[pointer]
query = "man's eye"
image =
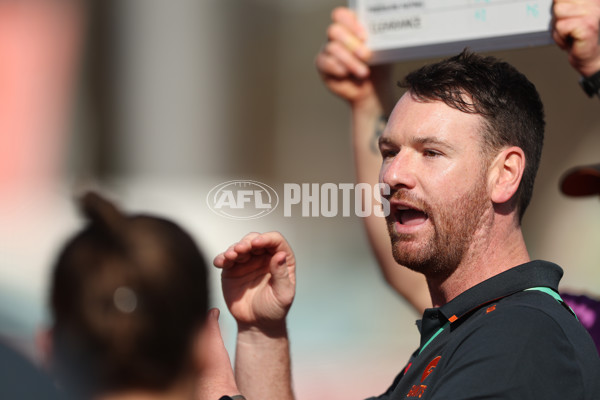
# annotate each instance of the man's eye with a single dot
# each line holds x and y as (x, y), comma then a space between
(431, 153)
(388, 153)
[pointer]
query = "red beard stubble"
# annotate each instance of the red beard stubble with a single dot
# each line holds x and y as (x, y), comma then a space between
(454, 224)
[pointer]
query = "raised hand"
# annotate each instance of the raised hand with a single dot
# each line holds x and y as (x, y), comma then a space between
(259, 280)
(575, 30)
(342, 62)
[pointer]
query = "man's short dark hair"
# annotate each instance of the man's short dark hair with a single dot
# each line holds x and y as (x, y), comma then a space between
(504, 97)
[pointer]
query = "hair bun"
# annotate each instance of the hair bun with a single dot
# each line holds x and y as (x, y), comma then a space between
(102, 212)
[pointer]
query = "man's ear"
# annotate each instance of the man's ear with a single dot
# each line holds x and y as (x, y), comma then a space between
(43, 344)
(506, 173)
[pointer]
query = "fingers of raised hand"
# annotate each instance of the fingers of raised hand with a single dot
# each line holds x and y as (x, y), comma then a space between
(251, 245)
(570, 31)
(570, 14)
(272, 242)
(337, 60)
(237, 252)
(570, 8)
(347, 39)
(347, 18)
(560, 39)
(575, 8)
(330, 66)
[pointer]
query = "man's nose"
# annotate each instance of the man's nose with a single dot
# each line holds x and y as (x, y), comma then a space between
(399, 172)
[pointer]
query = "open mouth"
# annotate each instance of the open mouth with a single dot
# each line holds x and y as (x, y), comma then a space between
(410, 216)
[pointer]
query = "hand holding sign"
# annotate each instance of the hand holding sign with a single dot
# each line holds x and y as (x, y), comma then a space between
(404, 29)
(575, 29)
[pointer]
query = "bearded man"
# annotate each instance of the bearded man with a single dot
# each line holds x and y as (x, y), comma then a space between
(459, 153)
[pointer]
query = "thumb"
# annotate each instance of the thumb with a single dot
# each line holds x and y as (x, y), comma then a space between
(215, 374)
(212, 349)
(281, 280)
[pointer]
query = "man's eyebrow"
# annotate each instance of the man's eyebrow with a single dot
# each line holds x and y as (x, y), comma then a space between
(422, 140)
(430, 140)
(385, 141)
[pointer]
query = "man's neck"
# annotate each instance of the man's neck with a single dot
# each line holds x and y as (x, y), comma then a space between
(485, 259)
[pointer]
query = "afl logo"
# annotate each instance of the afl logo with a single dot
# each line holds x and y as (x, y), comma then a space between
(242, 199)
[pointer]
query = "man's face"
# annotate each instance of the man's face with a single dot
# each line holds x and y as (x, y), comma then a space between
(433, 163)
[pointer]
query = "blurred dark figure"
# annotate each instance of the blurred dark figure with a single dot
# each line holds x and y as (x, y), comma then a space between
(577, 182)
(21, 379)
(581, 181)
(129, 299)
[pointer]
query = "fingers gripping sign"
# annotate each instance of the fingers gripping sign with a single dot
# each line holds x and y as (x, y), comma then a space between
(343, 65)
(259, 280)
(342, 62)
(575, 29)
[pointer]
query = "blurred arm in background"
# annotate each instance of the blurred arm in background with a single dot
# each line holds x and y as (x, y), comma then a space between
(369, 90)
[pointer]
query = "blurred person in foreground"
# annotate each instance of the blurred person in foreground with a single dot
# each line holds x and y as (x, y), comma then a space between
(21, 379)
(460, 154)
(129, 301)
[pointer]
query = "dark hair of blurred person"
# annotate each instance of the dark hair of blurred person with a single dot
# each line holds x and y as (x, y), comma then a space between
(128, 298)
